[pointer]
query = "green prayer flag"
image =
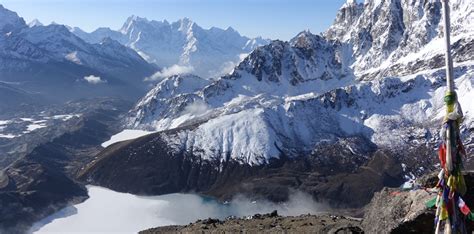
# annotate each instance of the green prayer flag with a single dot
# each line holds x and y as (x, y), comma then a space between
(471, 216)
(431, 203)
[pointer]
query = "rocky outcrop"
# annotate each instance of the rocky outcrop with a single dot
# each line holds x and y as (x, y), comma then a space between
(392, 210)
(395, 211)
(268, 223)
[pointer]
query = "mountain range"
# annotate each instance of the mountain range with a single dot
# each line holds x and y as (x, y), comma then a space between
(368, 90)
(182, 44)
(56, 64)
(66, 61)
(271, 98)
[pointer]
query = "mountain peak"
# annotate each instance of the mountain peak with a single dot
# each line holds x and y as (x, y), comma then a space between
(34, 23)
(185, 22)
(54, 23)
(9, 20)
(133, 19)
(185, 25)
(110, 42)
(304, 35)
(137, 18)
(351, 2)
(230, 29)
(307, 40)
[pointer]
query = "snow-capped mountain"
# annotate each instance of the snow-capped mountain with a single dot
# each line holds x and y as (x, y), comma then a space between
(48, 59)
(327, 115)
(376, 73)
(204, 52)
(34, 23)
(10, 21)
(385, 35)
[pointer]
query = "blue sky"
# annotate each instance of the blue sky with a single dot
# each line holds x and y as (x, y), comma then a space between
(275, 19)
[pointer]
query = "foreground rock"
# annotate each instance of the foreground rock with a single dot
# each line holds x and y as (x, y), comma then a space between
(269, 223)
(395, 211)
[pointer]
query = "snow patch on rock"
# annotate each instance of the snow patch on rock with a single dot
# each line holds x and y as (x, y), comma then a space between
(125, 135)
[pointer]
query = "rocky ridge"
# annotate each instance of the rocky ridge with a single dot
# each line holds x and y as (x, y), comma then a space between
(272, 223)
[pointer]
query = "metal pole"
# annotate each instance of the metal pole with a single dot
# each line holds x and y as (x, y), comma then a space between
(450, 92)
(449, 60)
(449, 80)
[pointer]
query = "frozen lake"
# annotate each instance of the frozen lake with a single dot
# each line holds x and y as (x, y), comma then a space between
(110, 211)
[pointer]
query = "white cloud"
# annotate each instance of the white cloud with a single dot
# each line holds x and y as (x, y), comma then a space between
(73, 58)
(170, 71)
(94, 79)
(229, 66)
(198, 107)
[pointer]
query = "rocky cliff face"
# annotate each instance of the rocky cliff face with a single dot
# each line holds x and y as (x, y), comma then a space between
(397, 211)
(384, 34)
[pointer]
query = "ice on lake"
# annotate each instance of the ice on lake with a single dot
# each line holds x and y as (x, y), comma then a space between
(110, 211)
